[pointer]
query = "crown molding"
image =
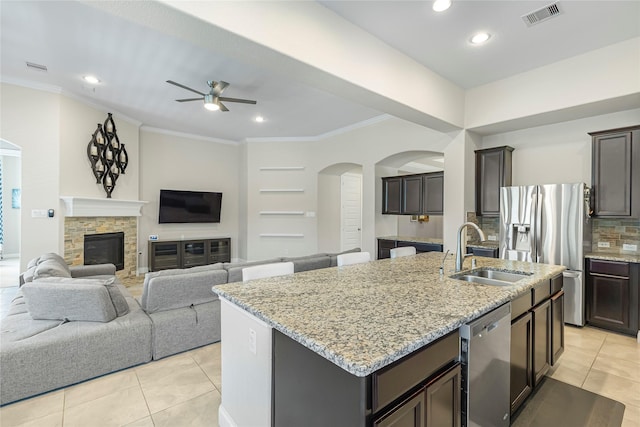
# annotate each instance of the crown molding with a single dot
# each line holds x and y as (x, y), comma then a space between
(29, 84)
(188, 135)
(325, 135)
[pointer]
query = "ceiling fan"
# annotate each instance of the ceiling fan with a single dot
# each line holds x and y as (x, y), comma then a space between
(212, 100)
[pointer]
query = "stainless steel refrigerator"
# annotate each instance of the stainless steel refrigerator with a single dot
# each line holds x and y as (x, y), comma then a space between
(549, 224)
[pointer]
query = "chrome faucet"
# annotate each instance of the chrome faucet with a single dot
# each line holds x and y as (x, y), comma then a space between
(459, 255)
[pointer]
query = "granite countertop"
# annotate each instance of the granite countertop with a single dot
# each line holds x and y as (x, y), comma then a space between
(433, 240)
(363, 317)
(487, 244)
(613, 257)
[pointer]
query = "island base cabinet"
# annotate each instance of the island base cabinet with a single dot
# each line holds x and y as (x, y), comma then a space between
(436, 405)
(521, 360)
(542, 341)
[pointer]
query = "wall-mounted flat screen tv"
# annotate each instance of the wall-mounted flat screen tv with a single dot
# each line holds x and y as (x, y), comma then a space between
(178, 206)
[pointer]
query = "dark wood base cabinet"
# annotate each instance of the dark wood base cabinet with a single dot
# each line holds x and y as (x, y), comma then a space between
(521, 360)
(612, 295)
(385, 246)
(537, 337)
(419, 390)
(437, 404)
(188, 253)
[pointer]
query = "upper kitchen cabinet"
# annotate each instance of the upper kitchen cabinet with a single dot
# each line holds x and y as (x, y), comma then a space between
(615, 172)
(392, 195)
(433, 193)
(493, 170)
(412, 195)
(420, 194)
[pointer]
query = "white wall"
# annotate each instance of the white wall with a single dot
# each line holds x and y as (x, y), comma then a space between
(179, 162)
(558, 153)
(557, 89)
(78, 121)
(10, 216)
(30, 119)
(328, 213)
(365, 146)
(432, 228)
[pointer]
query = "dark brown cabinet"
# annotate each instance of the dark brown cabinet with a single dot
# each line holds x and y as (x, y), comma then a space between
(542, 340)
(433, 193)
(486, 252)
(612, 295)
(385, 246)
(412, 195)
(392, 195)
(557, 326)
(421, 389)
(409, 413)
(421, 194)
(165, 255)
(616, 172)
(493, 170)
(537, 337)
(521, 360)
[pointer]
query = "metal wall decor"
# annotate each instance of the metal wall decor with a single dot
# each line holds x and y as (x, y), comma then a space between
(107, 155)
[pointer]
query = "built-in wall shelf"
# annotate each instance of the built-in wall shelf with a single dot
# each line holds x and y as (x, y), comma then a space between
(281, 235)
(282, 190)
(282, 168)
(281, 212)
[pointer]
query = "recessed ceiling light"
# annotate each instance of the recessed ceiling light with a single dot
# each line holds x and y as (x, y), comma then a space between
(441, 5)
(91, 79)
(259, 119)
(480, 38)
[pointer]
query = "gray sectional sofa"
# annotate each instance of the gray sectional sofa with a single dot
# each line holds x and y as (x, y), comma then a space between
(70, 324)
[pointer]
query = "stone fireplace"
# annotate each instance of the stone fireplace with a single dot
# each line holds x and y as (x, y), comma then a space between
(104, 248)
(85, 217)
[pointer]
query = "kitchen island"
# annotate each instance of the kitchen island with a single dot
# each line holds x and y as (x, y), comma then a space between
(355, 321)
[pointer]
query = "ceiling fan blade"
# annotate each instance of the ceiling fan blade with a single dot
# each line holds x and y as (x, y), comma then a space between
(222, 106)
(184, 87)
(243, 101)
(218, 87)
(189, 99)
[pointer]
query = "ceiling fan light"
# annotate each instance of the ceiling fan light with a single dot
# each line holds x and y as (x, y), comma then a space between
(210, 103)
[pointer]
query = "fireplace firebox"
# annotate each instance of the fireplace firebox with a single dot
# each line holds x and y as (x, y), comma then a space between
(104, 248)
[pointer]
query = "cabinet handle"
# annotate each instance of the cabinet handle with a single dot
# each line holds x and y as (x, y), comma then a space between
(611, 276)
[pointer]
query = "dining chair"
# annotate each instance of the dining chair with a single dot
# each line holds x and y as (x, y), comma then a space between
(353, 258)
(267, 270)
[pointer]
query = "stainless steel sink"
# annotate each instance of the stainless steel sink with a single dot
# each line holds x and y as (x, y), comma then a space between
(488, 276)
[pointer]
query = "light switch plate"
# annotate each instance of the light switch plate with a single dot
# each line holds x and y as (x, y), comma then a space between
(492, 238)
(626, 247)
(604, 245)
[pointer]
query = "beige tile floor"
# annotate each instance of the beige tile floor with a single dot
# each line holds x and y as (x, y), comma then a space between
(185, 390)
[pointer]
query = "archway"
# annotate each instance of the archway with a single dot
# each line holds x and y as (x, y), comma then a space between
(339, 207)
(10, 207)
(404, 163)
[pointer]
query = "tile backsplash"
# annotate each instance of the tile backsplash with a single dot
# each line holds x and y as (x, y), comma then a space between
(616, 232)
(490, 226)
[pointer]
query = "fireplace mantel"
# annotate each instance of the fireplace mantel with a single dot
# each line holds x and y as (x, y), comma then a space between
(88, 207)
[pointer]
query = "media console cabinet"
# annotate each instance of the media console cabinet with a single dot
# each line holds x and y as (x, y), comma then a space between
(188, 253)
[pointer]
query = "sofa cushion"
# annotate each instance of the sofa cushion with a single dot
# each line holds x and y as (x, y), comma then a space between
(68, 301)
(309, 262)
(177, 291)
(50, 268)
(111, 283)
(28, 274)
(52, 256)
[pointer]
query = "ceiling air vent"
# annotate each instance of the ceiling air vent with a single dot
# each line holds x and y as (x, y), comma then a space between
(537, 16)
(36, 67)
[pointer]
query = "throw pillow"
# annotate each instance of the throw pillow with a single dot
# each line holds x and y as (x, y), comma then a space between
(50, 268)
(117, 299)
(68, 301)
(52, 256)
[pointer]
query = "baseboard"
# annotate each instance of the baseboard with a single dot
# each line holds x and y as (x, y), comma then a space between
(224, 419)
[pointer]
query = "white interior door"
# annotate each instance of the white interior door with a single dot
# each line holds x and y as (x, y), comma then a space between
(351, 211)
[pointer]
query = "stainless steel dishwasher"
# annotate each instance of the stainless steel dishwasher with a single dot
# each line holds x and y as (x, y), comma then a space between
(486, 370)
